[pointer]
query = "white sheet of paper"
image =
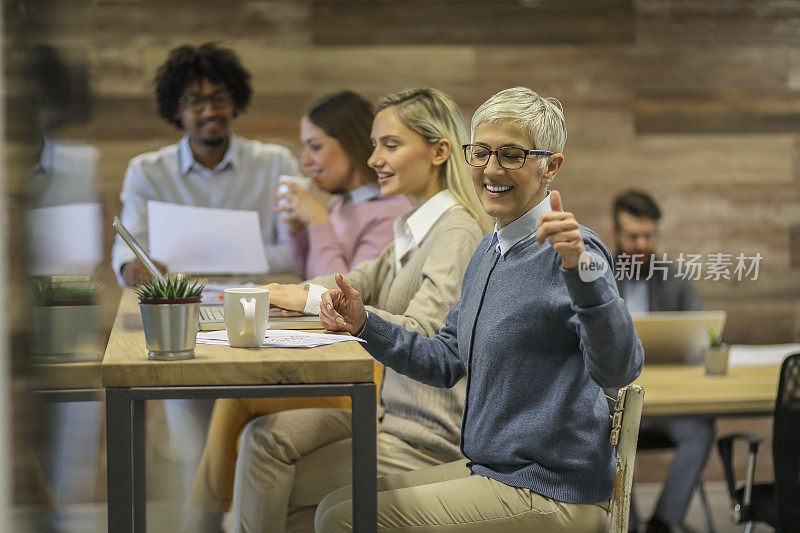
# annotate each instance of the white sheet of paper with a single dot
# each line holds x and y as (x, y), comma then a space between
(205, 240)
(760, 355)
(280, 338)
(65, 239)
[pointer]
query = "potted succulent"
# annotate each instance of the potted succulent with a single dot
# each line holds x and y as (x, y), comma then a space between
(65, 319)
(170, 315)
(715, 355)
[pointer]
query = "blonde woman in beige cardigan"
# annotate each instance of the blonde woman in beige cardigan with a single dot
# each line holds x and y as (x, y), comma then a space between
(417, 135)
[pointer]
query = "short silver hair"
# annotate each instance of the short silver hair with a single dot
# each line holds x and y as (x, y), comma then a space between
(542, 119)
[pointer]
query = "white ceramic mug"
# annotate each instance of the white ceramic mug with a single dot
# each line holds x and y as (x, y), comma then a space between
(246, 316)
(301, 181)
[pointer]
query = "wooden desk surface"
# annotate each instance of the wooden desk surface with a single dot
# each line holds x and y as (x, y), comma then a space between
(686, 390)
(65, 376)
(125, 363)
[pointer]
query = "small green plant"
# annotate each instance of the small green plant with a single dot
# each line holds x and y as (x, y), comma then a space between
(174, 288)
(714, 337)
(64, 290)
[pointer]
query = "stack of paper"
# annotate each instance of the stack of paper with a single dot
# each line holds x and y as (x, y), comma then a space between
(280, 338)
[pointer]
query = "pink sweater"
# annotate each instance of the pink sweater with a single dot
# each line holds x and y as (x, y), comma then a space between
(355, 233)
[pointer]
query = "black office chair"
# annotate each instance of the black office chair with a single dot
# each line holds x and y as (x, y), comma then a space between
(778, 503)
(650, 439)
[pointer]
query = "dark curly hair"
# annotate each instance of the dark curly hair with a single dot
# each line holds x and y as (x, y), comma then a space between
(187, 64)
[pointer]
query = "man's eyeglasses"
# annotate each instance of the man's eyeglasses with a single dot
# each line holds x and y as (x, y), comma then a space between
(509, 157)
(196, 102)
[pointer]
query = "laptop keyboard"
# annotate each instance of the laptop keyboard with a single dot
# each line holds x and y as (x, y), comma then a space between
(211, 313)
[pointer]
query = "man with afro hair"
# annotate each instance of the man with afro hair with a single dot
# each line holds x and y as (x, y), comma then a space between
(201, 90)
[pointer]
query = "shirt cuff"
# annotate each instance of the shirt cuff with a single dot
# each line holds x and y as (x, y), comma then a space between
(315, 293)
(364, 326)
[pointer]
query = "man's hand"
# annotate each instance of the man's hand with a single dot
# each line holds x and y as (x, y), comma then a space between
(342, 309)
(134, 272)
(562, 231)
(287, 296)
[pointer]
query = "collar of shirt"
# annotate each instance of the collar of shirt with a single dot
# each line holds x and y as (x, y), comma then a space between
(187, 162)
(362, 194)
(411, 228)
(521, 229)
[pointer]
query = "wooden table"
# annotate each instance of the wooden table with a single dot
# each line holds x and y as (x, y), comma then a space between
(675, 390)
(343, 369)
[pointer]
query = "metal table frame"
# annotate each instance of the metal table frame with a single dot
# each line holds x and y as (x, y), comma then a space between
(125, 433)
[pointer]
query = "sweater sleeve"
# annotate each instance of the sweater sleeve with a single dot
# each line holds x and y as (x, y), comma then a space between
(365, 277)
(611, 349)
(434, 362)
(440, 287)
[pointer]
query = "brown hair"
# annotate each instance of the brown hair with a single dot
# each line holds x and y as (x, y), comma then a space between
(636, 203)
(347, 117)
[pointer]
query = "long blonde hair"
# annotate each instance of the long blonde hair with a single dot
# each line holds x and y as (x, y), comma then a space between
(435, 116)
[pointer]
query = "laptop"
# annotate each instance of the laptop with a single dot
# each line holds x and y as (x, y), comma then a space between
(676, 337)
(212, 315)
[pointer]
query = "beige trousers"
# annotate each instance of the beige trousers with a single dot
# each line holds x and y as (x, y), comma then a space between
(289, 461)
(212, 489)
(447, 497)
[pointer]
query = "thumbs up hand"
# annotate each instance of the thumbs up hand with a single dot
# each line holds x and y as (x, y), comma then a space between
(561, 229)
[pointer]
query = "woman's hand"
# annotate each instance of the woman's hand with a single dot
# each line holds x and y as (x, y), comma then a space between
(287, 296)
(299, 208)
(562, 230)
(342, 309)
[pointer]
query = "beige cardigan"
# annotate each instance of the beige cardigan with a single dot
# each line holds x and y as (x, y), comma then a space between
(418, 298)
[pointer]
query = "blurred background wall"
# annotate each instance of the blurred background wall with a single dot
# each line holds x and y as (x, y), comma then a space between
(696, 102)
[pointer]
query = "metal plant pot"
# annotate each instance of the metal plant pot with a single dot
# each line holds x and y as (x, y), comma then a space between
(170, 329)
(65, 333)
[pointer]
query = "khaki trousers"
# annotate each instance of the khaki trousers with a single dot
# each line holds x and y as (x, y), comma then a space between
(290, 460)
(212, 489)
(448, 498)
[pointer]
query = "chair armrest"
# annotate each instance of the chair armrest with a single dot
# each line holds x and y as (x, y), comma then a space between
(725, 447)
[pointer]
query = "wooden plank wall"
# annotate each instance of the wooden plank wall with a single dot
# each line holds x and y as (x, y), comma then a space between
(697, 102)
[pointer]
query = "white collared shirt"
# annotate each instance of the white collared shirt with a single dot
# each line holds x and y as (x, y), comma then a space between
(521, 229)
(362, 194)
(637, 298)
(245, 179)
(410, 229)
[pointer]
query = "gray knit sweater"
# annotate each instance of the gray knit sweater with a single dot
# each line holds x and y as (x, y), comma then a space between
(537, 345)
(418, 298)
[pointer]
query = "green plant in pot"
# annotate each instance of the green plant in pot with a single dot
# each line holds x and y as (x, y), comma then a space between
(170, 315)
(65, 318)
(715, 356)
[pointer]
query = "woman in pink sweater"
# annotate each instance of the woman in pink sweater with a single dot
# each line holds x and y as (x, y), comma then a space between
(357, 222)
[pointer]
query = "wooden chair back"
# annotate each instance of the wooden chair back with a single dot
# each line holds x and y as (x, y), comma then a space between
(624, 435)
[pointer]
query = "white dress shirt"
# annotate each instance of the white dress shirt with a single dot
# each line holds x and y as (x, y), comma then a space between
(245, 179)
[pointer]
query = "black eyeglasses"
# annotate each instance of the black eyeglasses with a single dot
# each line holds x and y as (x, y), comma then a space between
(196, 102)
(509, 157)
